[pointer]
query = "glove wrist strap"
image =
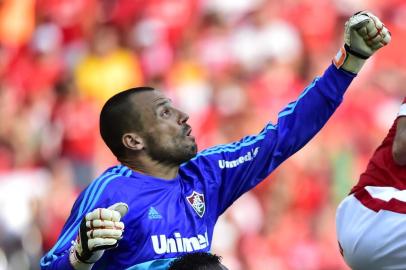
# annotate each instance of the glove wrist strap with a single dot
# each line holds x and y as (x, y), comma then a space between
(357, 54)
(86, 259)
(347, 61)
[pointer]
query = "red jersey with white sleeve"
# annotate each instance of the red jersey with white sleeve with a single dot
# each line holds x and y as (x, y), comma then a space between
(381, 186)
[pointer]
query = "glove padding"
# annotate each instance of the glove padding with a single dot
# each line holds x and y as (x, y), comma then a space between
(99, 230)
(364, 34)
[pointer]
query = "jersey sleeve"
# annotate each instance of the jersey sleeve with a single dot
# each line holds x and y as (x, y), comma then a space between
(237, 167)
(94, 196)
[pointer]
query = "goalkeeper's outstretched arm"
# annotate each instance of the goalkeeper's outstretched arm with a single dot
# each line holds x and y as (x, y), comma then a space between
(247, 162)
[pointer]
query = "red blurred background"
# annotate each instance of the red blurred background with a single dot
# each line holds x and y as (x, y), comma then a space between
(232, 65)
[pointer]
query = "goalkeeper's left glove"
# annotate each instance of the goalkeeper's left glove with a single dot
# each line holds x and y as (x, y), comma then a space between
(364, 35)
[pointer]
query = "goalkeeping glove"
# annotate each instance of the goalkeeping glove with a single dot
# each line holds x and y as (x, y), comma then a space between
(99, 230)
(364, 35)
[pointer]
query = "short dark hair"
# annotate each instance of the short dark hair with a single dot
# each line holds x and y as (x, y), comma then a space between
(115, 119)
(195, 261)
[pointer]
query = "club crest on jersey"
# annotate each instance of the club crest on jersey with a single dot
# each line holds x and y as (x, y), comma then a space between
(196, 200)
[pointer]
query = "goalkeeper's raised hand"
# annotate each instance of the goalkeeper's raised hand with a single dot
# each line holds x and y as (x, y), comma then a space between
(364, 35)
(99, 230)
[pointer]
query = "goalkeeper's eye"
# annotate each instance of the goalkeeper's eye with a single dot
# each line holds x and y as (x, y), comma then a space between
(166, 113)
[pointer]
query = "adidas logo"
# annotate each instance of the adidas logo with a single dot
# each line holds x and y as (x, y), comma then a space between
(153, 213)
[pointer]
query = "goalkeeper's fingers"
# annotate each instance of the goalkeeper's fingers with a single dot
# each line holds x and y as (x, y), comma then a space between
(120, 207)
(104, 224)
(358, 20)
(374, 32)
(102, 243)
(103, 227)
(113, 213)
(105, 233)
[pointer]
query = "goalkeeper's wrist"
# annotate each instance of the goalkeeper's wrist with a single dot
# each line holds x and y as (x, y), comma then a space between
(78, 263)
(346, 60)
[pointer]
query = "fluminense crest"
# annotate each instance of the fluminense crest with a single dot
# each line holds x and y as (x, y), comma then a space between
(196, 200)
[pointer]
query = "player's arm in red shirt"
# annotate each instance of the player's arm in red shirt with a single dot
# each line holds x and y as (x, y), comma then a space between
(399, 143)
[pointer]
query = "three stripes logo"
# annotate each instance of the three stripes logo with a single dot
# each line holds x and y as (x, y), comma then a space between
(153, 213)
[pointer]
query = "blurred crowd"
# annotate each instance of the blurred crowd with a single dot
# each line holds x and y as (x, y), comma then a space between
(232, 65)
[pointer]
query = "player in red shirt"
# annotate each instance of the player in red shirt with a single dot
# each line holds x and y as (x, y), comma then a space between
(371, 221)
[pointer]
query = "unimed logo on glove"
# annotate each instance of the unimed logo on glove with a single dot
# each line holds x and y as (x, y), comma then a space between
(163, 244)
(240, 160)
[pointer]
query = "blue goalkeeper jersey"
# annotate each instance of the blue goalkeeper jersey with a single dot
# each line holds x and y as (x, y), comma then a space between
(167, 218)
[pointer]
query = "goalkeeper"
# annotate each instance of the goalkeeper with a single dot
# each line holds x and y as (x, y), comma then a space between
(164, 198)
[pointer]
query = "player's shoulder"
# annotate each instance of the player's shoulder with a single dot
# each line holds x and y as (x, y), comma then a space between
(111, 176)
(211, 158)
(203, 162)
(107, 184)
(206, 157)
(202, 169)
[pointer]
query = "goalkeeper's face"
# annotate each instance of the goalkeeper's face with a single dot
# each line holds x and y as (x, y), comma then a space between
(166, 134)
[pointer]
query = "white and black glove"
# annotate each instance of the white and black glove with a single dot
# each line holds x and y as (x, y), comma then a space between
(364, 35)
(99, 230)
